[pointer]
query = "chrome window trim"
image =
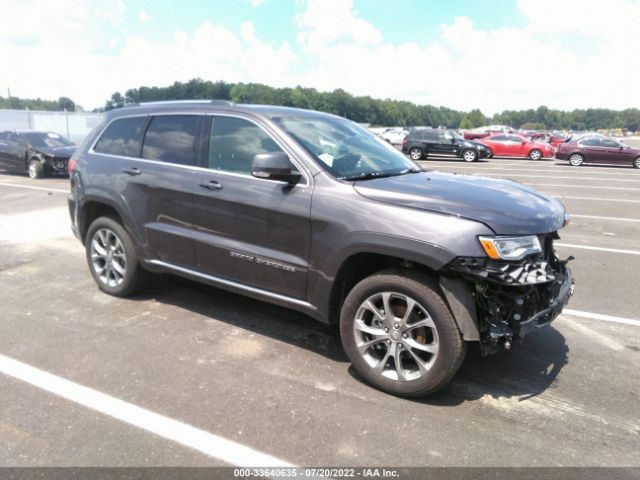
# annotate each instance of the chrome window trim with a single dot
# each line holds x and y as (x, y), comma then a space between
(285, 148)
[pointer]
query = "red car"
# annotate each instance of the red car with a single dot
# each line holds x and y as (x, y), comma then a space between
(510, 145)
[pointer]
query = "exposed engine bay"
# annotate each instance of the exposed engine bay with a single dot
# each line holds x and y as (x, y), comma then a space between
(510, 298)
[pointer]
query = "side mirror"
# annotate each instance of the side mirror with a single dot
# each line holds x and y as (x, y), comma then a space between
(274, 166)
(453, 140)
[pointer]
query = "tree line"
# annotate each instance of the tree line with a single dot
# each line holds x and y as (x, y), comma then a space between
(363, 109)
(16, 103)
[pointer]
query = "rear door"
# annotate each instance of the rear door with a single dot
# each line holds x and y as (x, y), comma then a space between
(151, 163)
(498, 144)
(249, 230)
(14, 151)
(593, 150)
(431, 142)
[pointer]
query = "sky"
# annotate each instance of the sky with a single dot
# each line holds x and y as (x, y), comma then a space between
(462, 54)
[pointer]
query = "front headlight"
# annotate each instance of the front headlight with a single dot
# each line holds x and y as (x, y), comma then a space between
(510, 248)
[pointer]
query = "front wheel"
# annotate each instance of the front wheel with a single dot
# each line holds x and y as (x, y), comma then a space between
(36, 169)
(469, 155)
(576, 160)
(636, 163)
(112, 258)
(415, 153)
(400, 335)
(535, 154)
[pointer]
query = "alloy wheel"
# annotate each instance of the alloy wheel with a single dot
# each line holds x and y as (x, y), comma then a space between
(535, 155)
(108, 258)
(469, 156)
(415, 154)
(576, 160)
(32, 170)
(396, 336)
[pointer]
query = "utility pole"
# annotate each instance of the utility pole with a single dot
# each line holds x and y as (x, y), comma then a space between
(9, 97)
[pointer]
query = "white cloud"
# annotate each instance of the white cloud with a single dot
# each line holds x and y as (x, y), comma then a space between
(590, 61)
(144, 16)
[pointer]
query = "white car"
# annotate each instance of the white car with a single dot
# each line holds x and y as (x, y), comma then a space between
(394, 136)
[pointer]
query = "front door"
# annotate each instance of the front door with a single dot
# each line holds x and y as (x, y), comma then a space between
(250, 230)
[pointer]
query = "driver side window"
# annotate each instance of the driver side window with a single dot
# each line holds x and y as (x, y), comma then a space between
(233, 142)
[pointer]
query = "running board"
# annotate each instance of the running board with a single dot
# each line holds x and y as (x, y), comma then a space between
(235, 285)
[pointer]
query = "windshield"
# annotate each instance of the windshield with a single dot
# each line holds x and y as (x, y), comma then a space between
(345, 149)
(46, 139)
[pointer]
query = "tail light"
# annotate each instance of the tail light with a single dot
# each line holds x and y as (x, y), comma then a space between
(405, 141)
(72, 165)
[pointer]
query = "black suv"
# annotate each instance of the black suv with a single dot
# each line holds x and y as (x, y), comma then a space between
(419, 144)
(310, 211)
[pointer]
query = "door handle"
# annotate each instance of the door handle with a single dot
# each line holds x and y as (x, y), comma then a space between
(131, 171)
(212, 185)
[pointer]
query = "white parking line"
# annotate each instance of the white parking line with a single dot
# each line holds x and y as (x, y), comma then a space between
(599, 249)
(217, 447)
(597, 199)
(551, 169)
(597, 217)
(31, 187)
(628, 189)
(554, 177)
(599, 316)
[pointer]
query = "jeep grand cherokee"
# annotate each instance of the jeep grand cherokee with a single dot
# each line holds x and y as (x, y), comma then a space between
(310, 211)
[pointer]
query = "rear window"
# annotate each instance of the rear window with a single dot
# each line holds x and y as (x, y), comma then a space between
(122, 137)
(171, 139)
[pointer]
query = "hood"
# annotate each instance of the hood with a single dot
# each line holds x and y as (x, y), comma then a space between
(507, 207)
(58, 152)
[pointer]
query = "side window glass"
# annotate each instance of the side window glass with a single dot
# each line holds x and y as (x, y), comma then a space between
(171, 139)
(122, 137)
(609, 143)
(233, 142)
(499, 138)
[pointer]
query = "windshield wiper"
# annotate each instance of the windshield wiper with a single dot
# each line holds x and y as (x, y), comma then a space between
(374, 174)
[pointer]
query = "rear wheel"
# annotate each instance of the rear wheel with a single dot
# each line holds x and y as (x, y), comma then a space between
(576, 160)
(112, 258)
(36, 169)
(636, 163)
(399, 334)
(469, 155)
(535, 154)
(416, 153)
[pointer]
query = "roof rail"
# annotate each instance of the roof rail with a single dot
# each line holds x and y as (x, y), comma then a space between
(166, 102)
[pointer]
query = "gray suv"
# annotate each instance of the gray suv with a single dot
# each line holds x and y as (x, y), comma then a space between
(310, 211)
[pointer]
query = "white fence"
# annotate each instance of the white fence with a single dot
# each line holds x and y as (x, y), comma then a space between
(73, 125)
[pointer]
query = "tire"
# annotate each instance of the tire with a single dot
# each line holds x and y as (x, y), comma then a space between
(636, 163)
(112, 258)
(416, 153)
(35, 169)
(368, 349)
(536, 154)
(469, 155)
(575, 159)
(489, 153)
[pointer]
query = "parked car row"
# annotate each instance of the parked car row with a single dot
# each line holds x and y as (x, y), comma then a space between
(422, 143)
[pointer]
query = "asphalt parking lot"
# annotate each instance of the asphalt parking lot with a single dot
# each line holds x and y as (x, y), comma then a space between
(224, 374)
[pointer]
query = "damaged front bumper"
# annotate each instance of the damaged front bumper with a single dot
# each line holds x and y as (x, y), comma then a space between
(497, 301)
